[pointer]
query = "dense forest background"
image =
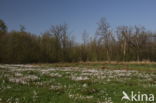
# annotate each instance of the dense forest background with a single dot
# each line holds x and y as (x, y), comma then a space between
(125, 43)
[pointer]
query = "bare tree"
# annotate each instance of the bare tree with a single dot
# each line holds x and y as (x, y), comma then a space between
(60, 32)
(106, 36)
(85, 37)
(133, 38)
(123, 33)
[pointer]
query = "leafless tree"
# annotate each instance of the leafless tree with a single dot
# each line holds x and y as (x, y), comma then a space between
(123, 34)
(105, 36)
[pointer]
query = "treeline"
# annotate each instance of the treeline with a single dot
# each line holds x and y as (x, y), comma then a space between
(126, 43)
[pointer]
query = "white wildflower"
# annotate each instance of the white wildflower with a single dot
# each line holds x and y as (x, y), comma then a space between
(84, 85)
(80, 78)
(55, 75)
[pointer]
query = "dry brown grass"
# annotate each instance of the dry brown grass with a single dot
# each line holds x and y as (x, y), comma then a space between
(91, 64)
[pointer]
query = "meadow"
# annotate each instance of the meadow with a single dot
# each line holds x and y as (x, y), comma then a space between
(75, 82)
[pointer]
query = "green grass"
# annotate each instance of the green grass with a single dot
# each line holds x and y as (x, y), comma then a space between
(64, 89)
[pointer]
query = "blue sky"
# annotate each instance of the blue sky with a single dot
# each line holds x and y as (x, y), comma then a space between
(38, 15)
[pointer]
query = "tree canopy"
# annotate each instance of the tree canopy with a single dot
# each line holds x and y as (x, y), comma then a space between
(125, 43)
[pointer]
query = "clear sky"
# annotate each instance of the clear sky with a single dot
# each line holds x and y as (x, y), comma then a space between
(38, 15)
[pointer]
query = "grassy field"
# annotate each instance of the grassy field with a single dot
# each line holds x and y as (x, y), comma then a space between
(75, 82)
